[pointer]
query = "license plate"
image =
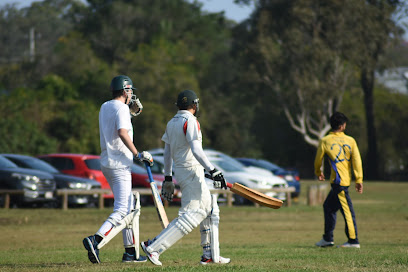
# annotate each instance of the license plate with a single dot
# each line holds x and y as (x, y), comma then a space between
(48, 194)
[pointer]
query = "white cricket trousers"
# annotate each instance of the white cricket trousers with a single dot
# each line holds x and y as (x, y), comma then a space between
(120, 182)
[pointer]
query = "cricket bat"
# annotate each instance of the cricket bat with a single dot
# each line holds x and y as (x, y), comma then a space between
(157, 199)
(255, 196)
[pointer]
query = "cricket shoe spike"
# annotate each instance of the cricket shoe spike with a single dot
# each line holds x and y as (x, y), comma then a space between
(222, 260)
(154, 256)
(90, 244)
(324, 243)
(129, 258)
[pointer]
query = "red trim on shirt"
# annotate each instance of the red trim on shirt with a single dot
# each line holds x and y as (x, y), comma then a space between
(185, 126)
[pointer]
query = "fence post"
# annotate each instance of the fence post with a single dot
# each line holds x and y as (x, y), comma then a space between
(7, 201)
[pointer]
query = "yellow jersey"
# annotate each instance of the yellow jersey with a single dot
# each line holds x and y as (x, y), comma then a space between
(344, 156)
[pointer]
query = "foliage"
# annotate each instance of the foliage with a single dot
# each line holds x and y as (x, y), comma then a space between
(290, 59)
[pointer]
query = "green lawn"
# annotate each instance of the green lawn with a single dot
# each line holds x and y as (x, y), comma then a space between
(256, 239)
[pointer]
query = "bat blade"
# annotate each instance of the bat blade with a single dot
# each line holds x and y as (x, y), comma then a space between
(255, 196)
(157, 199)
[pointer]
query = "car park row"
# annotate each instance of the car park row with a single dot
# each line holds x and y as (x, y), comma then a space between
(40, 177)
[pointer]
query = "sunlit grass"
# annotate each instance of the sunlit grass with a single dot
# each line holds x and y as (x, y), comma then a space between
(256, 239)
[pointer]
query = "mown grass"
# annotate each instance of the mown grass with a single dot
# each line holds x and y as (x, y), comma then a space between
(256, 239)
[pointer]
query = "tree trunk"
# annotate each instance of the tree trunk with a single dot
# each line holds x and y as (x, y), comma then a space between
(371, 159)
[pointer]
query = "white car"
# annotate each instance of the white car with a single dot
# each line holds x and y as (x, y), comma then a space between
(233, 173)
(250, 169)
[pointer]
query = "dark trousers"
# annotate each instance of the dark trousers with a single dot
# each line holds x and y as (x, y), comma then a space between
(339, 199)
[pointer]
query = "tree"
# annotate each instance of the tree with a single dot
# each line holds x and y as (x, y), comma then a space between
(370, 31)
(298, 62)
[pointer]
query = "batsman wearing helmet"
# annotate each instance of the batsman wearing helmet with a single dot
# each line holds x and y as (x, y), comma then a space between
(118, 151)
(344, 157)
(183, 146)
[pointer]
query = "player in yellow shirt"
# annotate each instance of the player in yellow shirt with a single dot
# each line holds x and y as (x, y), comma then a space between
(345, 160)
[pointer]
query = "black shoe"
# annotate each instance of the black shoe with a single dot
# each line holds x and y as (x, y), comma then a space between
(129, 258)
(90, 244)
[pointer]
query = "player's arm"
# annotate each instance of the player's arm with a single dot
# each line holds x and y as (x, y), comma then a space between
(168, 184)
(357, 167)
(124, 136)
(198, 152)
(318, 161)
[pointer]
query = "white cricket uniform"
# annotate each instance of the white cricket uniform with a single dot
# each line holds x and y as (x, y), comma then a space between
(116, 161)
(180, 131)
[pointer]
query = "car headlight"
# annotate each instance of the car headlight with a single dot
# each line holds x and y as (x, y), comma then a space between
(28, 181)
(77, 185)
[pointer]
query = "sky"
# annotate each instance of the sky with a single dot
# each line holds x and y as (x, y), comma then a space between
(232, 11)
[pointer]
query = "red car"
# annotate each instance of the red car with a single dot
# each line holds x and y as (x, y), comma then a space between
(79, 165)
(89, 166)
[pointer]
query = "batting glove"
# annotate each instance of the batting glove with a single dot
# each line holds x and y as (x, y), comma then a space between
(145, 156)
(218, 178)
(168, 188)
(135, 107)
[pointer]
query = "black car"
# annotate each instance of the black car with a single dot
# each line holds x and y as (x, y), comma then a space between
(291, 176)
(39, 187)
(63, 181)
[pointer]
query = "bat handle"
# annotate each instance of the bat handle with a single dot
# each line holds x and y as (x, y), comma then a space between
(229, 185)
(149, 171)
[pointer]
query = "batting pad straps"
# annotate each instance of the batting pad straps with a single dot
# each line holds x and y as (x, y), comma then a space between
(117, 227)
(176, 230)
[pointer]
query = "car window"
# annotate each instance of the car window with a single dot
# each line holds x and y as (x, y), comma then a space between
(157, 167)
(227, 166)
(5, 163)
(34, 163)
(60, 163)
(138, 169)
(94, 164)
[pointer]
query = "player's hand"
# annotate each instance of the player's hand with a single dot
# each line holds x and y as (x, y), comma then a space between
(321, 177)
(218, 178)
(145, 156)
(135, 107)
(168, 188)
(359, 188)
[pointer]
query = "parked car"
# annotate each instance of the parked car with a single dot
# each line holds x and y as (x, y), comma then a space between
(211, 153)
(39, 187)
(233, 173)
(291, 176)
(63, 181)
(80, 165)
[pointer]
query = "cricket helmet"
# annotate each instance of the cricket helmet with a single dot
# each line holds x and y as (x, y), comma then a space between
(121, 82)
(187, 98)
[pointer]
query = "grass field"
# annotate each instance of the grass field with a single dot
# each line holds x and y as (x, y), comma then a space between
(256, 239)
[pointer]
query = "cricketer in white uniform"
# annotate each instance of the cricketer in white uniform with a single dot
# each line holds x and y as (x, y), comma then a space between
(118, 151)
(183, 146)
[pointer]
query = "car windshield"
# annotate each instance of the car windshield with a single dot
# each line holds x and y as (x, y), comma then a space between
(227, 166)
(93, 164)
(224, 157)
(39, 165)
(5, 163)
(268, 165)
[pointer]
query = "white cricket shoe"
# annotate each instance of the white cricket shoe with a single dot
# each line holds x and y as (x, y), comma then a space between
(347, 244)
(324, 243)
(154, 256)
(222, 260)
